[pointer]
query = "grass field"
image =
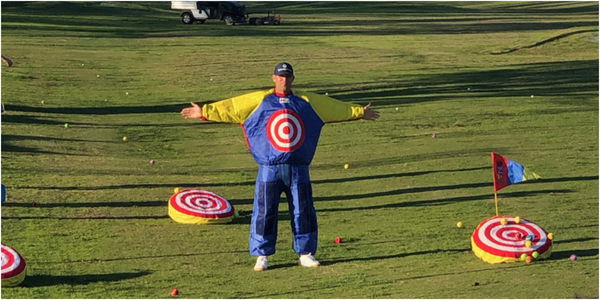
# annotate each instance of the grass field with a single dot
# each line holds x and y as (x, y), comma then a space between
(516, 78)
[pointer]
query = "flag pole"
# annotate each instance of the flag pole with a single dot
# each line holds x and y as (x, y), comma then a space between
(496, 201)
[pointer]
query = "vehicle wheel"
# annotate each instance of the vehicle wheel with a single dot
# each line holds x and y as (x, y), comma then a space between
(229, 20)
(187, 18)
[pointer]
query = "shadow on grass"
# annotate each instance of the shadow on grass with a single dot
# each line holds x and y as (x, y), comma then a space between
(558, 255)
(330, 198)
(577, 240)
(246, 183)
(110, 110)
(88, 218)
(177, 255)
(50, 280)
(392, 18)
(443, 201)
(540, 79)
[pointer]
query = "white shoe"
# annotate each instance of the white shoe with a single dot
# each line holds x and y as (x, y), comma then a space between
(308, 260)
(261, 263)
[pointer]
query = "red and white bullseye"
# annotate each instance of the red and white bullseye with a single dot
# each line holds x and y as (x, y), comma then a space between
(200, 206)
(13, 267)
(493, 240)
(285, 130)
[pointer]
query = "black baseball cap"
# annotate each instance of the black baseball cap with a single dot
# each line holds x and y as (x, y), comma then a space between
(283, 69)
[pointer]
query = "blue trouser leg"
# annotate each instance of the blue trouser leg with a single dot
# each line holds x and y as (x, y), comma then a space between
(294, 180)
(302, 211)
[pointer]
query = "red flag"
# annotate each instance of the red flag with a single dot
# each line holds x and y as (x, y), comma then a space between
(507, 171)
(500, 168)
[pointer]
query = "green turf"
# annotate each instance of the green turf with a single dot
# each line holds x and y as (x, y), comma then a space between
(115, 69)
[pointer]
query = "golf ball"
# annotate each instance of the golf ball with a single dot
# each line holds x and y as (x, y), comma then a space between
(98, 76)
(346, 166)
(152, 161)
(126, 93)
(528, 244)
(550, 236)
(573, 257)
(176, 190)
(337, 240)
(523, 257)
(125, 139)
(174, 292)
(459, 224)
(528, 259)
(397, 108)
(326, 93)
(42, 102)
(66, 125)
(517, 220)
(503, 221)
(535, 254)
(434, 135)
(531, 96)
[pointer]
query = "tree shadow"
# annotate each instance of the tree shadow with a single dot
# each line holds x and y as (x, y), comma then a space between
(109, 110)
(443, 201)
(50, 280)
(539, 79)
(393, 18)
(88, 218)
(558, 255)
(245, 183)
(576, 240)
(96, 260)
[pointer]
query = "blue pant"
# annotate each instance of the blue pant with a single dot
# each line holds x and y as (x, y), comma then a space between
(294, 181)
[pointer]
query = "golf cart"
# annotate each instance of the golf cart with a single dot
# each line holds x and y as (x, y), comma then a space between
(232, 12)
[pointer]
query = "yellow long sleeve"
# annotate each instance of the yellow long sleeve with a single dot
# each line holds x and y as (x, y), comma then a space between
(236, 109)
(333, 110)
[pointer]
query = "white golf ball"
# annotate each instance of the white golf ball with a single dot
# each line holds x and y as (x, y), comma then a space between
(397, 109)
(126, 93)
(98, 76)
(326, 93)
(531, 96)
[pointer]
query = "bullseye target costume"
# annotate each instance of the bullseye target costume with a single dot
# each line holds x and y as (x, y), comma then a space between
(282, 132)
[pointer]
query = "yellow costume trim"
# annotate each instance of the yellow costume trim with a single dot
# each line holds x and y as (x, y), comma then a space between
(495, 259)
(189, 219)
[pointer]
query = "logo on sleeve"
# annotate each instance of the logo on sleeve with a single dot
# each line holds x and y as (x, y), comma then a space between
(285, 130)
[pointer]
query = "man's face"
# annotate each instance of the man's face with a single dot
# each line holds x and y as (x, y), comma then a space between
(283, 83)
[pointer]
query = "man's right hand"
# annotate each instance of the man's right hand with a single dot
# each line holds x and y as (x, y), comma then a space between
(194, 112)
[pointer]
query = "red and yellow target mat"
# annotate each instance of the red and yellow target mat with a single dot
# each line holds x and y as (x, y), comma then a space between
(510, 239)
(195, 206)
(13, 267)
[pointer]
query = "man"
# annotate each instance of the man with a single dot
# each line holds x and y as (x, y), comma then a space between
(282, 129)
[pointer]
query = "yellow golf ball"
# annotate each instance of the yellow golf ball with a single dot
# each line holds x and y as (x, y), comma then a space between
(125, 139)
(528, 244)
(346, 166)
(503, 221)
(459, 224)
(517, 220)
(550, 236)
(176, 190)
